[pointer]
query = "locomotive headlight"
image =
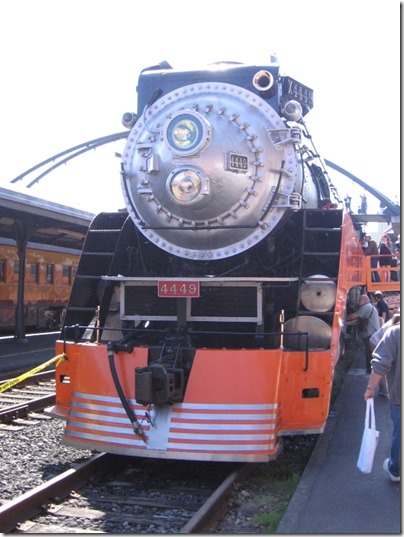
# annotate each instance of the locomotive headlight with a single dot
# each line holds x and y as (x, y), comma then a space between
(187, 133)
(188, 184)
(185, 185)
(263, 81)
(184, 134)
(292, 111)
(129, 119)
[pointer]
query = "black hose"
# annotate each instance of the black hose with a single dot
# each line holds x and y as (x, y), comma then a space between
(131, 415)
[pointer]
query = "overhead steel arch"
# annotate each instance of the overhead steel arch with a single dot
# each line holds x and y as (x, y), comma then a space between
(82, 148)
(395, 209)
(75, 151)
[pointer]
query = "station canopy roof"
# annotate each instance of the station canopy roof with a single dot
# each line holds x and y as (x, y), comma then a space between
(45, 222)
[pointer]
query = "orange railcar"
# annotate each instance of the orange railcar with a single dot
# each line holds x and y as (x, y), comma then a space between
(49, 273)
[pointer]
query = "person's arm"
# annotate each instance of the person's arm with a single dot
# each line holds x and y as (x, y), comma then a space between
(373, 383)
(352, 316)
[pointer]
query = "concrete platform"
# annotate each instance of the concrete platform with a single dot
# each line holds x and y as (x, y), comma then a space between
(19, 356)
(333, 496)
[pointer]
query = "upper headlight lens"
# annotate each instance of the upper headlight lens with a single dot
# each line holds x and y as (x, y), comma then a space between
(184, 134)
(187, 133)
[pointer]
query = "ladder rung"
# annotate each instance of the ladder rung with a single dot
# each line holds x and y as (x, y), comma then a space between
(333, 229)
(101, 254)
(105, 230)
(78, 308)
(316, 313)
(87, 277)
(321, 254)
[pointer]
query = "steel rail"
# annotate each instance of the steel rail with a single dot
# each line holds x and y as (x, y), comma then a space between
(21, 410)
(34, 501)
(43, 375)
(206, 513)
(37, 501)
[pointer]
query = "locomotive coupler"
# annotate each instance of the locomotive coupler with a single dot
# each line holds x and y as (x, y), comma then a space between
(159, 384)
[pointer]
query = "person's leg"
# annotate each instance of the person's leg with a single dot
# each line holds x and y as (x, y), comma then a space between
(375, 274)
(368, 353)
(394, 462)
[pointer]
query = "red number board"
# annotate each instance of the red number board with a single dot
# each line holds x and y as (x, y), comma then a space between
(178, 288)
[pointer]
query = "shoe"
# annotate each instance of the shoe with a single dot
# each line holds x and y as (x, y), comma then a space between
(382, 394)
(386, 467)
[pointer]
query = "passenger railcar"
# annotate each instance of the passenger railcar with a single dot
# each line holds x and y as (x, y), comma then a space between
(49, 273)
(206, 320)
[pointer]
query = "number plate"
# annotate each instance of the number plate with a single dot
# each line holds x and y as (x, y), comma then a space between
(178, 288)
(298, 92)
(236, 162)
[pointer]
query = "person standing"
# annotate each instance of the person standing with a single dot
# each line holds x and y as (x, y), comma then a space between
(367, 311)
(397, 247)
(382, 307)
(372, 250)
(395, 274)
(385, 256)
(387, 361)
(374, 340)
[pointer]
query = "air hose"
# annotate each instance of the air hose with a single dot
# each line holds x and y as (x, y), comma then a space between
(114, 346)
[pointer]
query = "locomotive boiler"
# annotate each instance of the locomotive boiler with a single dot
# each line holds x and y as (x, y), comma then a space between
(205, 319)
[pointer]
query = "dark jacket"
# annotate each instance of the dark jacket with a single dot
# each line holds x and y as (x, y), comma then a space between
(385, 251)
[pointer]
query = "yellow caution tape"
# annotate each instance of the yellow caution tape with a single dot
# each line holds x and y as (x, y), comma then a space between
(59, 359)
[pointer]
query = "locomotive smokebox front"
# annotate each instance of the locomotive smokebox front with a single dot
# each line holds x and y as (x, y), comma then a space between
(209, 170)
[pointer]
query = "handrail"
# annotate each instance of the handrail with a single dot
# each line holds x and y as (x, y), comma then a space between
(385, 272)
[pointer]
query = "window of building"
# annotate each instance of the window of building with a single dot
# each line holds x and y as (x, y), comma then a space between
(16, 271)
(50, 273)
(34, 272)
(67, 275)
(2, 270)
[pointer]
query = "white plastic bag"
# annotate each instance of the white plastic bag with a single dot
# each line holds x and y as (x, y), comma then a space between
(369, 440)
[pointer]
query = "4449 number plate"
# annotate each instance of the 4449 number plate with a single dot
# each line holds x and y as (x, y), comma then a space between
(179, 288)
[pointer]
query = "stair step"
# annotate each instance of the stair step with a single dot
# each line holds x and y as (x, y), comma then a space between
(79, 308)
(321, 229)
(321, 254)
(101, 254)
(88, 277)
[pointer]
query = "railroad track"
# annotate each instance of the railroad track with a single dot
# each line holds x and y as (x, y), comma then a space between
(109, 494)
(25, 398)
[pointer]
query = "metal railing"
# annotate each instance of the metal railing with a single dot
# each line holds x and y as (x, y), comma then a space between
(381, 278)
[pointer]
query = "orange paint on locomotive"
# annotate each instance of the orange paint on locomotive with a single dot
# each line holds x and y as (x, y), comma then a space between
(268, 393)
(219, 378)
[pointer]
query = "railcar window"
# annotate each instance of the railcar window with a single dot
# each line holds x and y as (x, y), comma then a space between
(50, 273)
(67, 275)
(34, 273)
(16, 271)
(2, 270)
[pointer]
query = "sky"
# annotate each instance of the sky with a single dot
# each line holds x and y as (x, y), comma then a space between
(70, 70)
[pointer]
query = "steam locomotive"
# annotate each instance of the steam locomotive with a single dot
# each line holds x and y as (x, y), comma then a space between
(205, 320)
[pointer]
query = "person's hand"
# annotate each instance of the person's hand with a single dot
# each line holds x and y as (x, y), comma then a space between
(369, 393)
